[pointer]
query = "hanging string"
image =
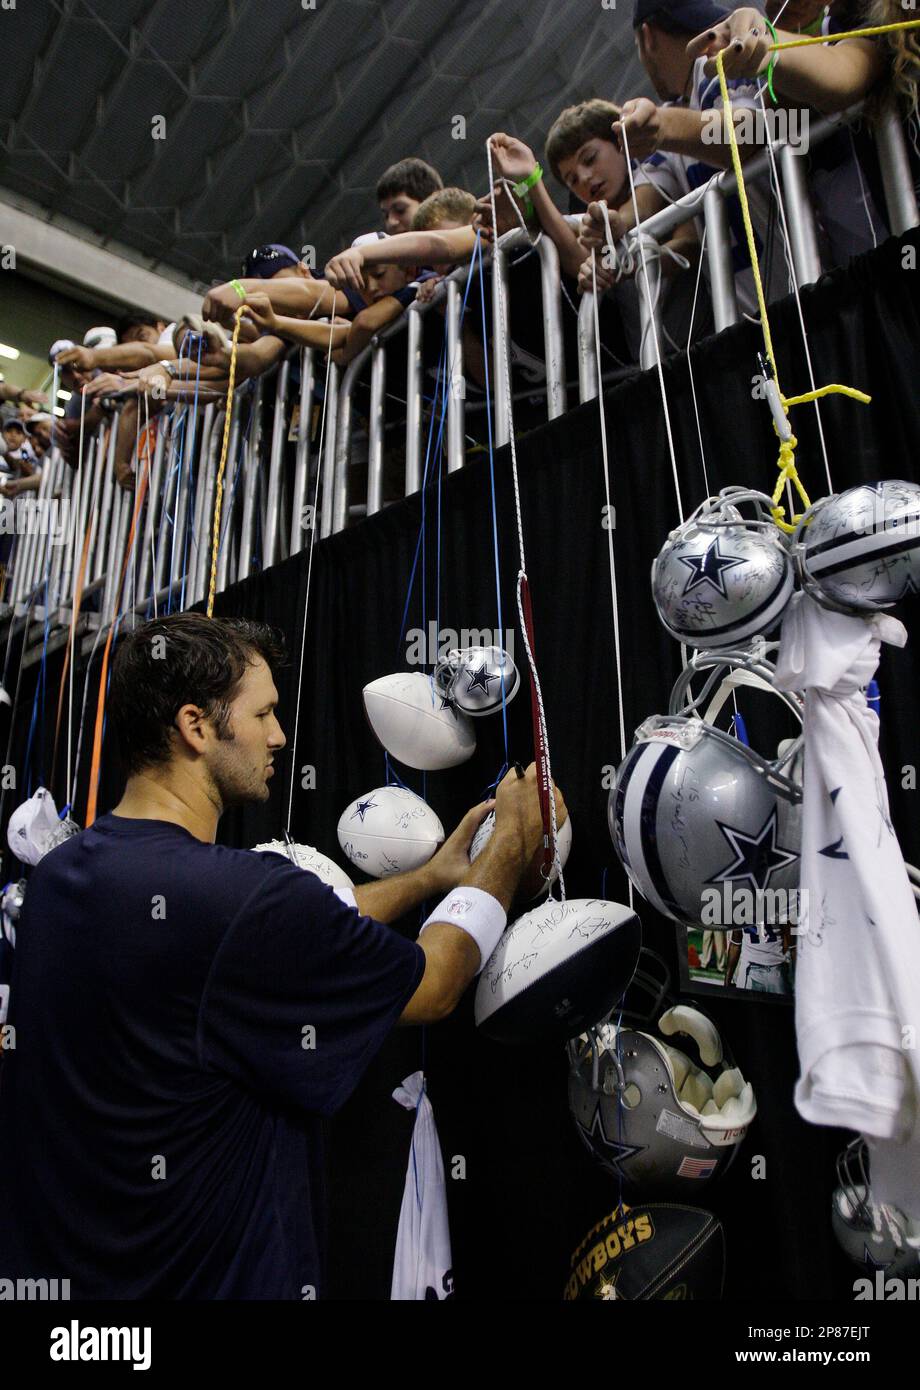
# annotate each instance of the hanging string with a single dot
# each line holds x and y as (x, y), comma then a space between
(225, 444)
(648, 295)
(617, 653)
(551, 859)
(786, 465)
(306, 601)
(491, 446)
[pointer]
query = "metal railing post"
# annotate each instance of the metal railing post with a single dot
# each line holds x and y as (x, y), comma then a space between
(199, 558)
(99, 542)
(553, 347)
(276, 457)
(327, 462)
(896, 173)
(501, 314)
(376, 436)
(456, 382)
(718, 259)
(413, 400)
(588, 384)
(228, 507)
(803, 237)
(649, 342)
(343, 424)
(302, 455)
(251, 452)
(152, 516)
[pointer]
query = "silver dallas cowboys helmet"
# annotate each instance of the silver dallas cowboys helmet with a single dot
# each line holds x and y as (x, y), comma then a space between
(874, 1236)
(859, 550)
(651, 1113)
(474, 678)
(696, 815)
(721, 579)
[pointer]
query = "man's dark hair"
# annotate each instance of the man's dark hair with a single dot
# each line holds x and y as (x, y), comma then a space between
(411, 176)
(178, 660)
(135, 320)
(663, 19)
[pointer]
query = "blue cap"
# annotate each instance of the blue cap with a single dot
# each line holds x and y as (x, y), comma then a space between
(265, 261)
(686, 16)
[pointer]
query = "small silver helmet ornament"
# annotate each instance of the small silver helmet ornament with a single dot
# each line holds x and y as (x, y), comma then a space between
(658, 1116)
(477, 679)
(11, 900)
(873, 1235)
(722, 578)
(859, 551)
(695, 813)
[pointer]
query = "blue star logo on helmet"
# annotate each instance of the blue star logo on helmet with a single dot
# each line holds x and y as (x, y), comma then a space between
(757, 857)
(709, 568)
(479, 680)
(616, 1151)
(362, 809)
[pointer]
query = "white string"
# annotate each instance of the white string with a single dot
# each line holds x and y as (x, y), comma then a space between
(618, 662)
(862, 187)
(306, 602)
(664, 394)
(522, 572)
(696, 408)
(798, 303)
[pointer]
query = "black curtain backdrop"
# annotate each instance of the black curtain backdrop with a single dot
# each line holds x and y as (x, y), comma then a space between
(526, 1191)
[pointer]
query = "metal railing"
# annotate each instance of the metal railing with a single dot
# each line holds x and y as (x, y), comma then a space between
(271, 468)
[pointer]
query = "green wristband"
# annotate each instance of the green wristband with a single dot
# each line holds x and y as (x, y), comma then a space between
(772, 63)
(239, 288)
(525, 185)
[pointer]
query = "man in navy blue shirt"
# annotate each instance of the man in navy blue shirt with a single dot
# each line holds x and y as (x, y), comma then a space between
(185, 1013)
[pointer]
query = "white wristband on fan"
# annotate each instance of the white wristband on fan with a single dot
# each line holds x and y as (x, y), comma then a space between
(477, 913)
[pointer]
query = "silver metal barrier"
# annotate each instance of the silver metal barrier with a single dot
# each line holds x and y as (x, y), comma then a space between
(269, 488)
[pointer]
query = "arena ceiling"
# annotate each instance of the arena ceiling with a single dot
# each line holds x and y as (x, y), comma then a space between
(279, 115)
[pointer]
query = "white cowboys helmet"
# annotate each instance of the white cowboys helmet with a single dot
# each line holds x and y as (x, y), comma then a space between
(721, 579)
(859, 550)
(696, 815)
(657, 1116)
(873, 1235)
(476, 678)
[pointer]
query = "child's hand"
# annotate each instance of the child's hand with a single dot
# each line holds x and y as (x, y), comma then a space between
(344, 270)
(587, 277)
(259, 309)
(642, 119)
(426, 290)
(512, 158)
(592, 235)
(505, 207)
(744, 36)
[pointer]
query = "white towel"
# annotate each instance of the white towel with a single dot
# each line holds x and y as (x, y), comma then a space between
(857, 988)
(422, 1265)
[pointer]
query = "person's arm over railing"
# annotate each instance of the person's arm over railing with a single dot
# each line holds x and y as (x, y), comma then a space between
(294, 295)
(830, 77)
(517, 162)
(406, 248)
(304, 332)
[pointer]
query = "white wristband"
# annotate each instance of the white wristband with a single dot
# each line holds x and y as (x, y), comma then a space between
(475, 912)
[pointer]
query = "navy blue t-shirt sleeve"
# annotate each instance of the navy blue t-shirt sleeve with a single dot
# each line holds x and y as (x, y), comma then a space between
(302, 992)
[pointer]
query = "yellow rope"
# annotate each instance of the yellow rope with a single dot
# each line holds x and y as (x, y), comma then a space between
(224, 449)
(786, 460)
